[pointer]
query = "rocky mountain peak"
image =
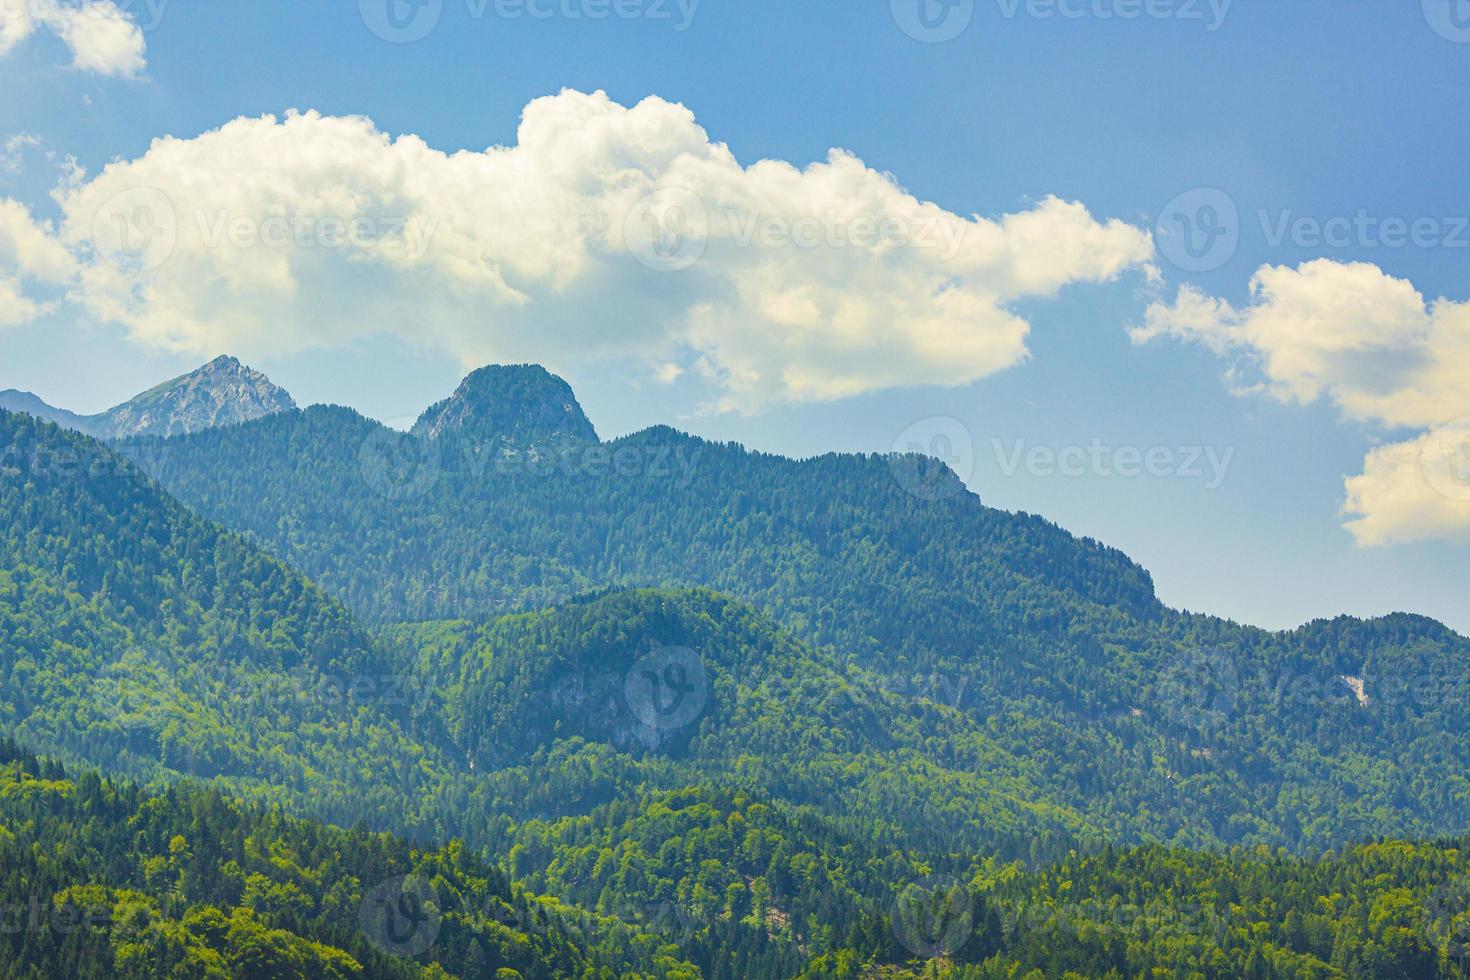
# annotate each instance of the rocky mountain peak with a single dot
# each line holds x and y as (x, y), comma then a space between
(222, 392)
(515, 405)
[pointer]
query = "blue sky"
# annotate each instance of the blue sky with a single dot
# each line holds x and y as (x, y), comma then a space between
(1331, 111)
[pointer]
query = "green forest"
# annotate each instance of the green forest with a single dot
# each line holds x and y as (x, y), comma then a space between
(666, 707)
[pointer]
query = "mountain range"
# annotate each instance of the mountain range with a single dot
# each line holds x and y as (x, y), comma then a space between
(740, 701)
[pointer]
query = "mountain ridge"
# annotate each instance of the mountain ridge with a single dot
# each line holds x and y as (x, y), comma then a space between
(221, 392)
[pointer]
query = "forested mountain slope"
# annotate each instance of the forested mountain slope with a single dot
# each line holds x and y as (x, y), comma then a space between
(138, 636)
(99, 879)
(1099, 700)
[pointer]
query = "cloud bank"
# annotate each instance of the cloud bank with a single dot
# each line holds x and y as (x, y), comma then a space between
(1372, 346)
(99, 35)
(605, 231)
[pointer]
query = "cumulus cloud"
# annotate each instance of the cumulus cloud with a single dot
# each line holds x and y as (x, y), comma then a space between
(30, 257)
(100, 35)
(1414, 491)
(604, 231)
(1373, 346)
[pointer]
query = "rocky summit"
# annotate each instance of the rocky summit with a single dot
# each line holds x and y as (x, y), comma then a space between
(222, 392)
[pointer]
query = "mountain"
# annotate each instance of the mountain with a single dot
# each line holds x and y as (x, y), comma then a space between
(23, 401)
(1068, 701)
(222, 392)
(515, 406)
(137, 636)
(140, 637)
(919, 685)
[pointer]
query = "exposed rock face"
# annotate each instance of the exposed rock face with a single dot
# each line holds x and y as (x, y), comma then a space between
(222, 392)
(512, 406)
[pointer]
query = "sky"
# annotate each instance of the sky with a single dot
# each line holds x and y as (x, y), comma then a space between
(1185, 276)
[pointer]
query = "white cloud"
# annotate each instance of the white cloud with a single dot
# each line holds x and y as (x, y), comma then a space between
(29, 253)
(30, 248)
(1370, 344)
(796, 284)
(13, 149)
(1347, 332)
(16, 307)
(1417, 490)
(101, 37)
